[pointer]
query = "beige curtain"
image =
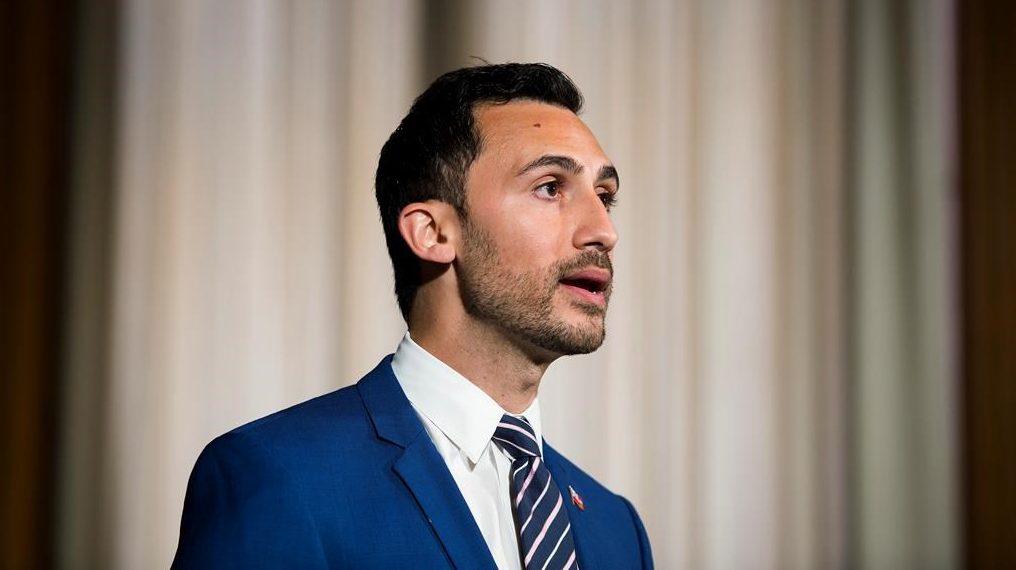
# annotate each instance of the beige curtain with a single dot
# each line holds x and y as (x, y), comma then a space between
(784, 228)
(904, 398)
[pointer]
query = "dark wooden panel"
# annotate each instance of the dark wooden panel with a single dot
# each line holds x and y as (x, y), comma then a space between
(987, 192)
(34, 122)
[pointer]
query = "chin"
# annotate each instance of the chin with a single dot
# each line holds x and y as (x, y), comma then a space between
(573, 338)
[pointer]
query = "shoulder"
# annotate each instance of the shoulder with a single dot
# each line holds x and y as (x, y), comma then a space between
(313, 422)
(256, 494)
(276, 442)
(331, 423)
(247, 501)
(336, 436)
(608, 529)
(270, 455)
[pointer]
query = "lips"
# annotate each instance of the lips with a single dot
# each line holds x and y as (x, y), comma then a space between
(593, 280)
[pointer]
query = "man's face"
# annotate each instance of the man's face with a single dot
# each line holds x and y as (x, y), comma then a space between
(536, 259)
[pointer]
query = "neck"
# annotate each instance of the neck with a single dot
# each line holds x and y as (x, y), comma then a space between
(504, 369)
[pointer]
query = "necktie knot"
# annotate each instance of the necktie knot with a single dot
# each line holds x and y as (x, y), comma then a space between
(516, 437)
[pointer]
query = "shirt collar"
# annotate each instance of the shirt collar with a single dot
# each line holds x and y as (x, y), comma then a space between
(459, 408)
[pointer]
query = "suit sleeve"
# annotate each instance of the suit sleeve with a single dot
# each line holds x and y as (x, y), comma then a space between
(645, 551)
(243, 511)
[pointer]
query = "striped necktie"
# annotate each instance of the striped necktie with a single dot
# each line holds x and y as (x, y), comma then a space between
(545, 538)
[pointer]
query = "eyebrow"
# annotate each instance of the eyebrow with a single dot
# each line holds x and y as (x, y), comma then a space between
(607, 172)
(566, 162)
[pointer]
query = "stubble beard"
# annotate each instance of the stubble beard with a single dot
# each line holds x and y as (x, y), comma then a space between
(522, 304)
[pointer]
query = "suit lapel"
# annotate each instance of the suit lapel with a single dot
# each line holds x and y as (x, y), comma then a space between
(422, 469)
(581, 532)
(427, 477)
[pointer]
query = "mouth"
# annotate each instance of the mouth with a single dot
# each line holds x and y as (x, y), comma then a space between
(589, 284)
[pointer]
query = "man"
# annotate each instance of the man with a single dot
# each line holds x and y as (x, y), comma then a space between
(495, 198)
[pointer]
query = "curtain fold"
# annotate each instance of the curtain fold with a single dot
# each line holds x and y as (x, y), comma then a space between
(903, 468)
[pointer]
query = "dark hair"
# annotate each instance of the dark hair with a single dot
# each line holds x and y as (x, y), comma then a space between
(429, 154)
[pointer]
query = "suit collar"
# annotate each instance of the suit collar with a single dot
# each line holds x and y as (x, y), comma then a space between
(422, 470)
(393, 417)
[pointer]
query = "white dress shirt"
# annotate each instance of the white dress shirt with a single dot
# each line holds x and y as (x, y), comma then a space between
(460, 419)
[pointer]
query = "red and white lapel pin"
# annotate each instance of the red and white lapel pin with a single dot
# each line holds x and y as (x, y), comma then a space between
(576, 499)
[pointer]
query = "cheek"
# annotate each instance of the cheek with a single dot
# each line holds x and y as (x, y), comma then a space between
(528, 235)
(530, 242)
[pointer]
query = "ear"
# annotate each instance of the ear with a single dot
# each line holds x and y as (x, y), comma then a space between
(428, 228)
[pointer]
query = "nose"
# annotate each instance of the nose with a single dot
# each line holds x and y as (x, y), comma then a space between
(595, 228)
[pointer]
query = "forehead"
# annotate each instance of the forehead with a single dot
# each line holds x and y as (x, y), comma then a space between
(528, 128)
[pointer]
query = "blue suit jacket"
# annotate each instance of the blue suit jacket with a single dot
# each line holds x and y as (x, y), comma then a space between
(352, 480)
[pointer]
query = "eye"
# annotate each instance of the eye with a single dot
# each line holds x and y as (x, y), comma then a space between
(608, 199)
(548, 190)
